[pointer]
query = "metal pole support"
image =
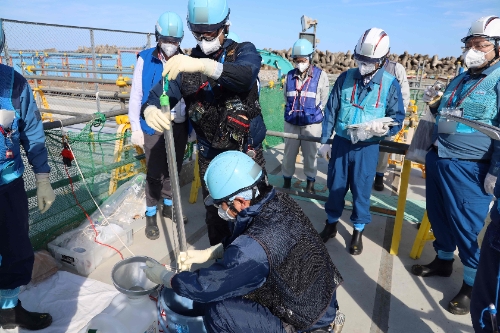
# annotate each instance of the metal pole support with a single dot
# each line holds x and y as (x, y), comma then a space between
(403, 190)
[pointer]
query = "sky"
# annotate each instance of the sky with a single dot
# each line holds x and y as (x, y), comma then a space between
(417, 26)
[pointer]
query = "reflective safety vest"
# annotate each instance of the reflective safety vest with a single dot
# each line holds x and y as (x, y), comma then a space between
(372, 106)
(10, 144)
(477, 98)
(301, 108)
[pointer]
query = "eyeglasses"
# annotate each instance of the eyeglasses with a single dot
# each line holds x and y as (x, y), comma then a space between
(208, 36)
(228, 203)
(475, 46)
(168, 40)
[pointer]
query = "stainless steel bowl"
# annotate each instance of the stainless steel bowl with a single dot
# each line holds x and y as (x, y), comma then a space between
(129, 278)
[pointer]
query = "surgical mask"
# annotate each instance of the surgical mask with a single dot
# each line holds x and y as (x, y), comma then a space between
(475, 58)
(169, 49)
(366, 68)
(224, 214)
(302, 66)
(209, 47)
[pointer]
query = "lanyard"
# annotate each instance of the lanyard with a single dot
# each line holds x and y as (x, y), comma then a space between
(354, 96)
(452, 97)
(299, 90)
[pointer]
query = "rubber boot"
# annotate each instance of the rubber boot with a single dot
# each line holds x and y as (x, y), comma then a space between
(167, 213)
(437, 267)
(329, 231)
(19, 317)
(460, 304)
(310, 187)
(152, 231)
(356, 243)
(287, 182)
(378, 185)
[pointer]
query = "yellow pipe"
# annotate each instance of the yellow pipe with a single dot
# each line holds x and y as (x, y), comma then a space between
(403, 190)
(195, 186)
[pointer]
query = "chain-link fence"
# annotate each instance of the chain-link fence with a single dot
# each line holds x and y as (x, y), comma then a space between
(72, 64)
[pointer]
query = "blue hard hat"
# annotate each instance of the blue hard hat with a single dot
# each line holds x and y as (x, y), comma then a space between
(207, 15)
(230, 173)
(233, 36)
(169, 25)
(302, 48)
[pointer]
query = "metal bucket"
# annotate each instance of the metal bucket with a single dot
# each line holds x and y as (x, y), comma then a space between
(179, 314)
(129, 278)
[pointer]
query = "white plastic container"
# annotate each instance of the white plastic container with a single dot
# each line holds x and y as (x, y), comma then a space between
(179, 314)
(85, 260)
(126, 315)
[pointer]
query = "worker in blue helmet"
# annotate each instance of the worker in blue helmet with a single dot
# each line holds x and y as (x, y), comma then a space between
(365, 105)
(20, 125)
(169, 32)
(306, 95)
(273, 273)
(219, 83)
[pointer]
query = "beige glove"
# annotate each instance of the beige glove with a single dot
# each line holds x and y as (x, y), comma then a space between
(181, 63)
(378, 128)
(489, 183)
(137, 138)
(158, 273)
(325, 151)
(186, 259)
(156, 119)
(44, 192)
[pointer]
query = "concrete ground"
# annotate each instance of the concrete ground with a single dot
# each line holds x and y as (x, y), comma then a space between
(378, 294)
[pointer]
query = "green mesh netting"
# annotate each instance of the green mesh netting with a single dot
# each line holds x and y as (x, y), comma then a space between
(94, 151)
(272, 102)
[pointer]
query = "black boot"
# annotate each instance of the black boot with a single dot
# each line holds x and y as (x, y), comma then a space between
(460, 304)
(19, 317)
(167, 213)
(378, 185)
(152, 231)
(287, 182)
(437, 267)
(329, 231)
(356, 243)
(310, 187)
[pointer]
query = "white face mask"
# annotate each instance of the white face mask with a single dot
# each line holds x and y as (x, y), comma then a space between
(302, 66)
(210, 47)
(169, 49)
(474, 58)
(224, 214)
(366, 68)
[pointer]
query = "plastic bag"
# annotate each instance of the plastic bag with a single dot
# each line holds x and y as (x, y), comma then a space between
(422, 140)
(44, 267)
(363, 131)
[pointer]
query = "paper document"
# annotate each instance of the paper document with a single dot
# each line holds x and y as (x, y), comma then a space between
(491, 131)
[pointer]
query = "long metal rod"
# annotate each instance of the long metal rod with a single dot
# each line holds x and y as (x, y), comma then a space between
(103, 94)
(174, 179)
(63, 113)
(48, 69)
(82, 119)
(70, 79)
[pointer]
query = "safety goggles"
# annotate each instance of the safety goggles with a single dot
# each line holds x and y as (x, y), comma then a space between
(476, 46)
(362, 58)
(169, 40)
(208, 36)
(209, 201)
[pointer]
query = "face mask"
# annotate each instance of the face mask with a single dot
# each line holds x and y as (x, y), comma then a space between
(474, 58)
(366, 68)
(169, 49)
(302, 66)
(210, 47)
(224, 214)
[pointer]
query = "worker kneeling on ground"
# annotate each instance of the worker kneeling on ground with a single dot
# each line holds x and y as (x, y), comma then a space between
(370, 98)
(274, 272)
(20, 125)
(462, 165)
(306, 95)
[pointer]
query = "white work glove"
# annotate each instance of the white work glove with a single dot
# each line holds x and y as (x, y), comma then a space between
(158, 273)
(325, 151)
(44, 192)
(186, 259)
(378, 128)
(489, 183)
(192, 136)
(431, 94)
(181, 63)
(137, 138)
(156, 119)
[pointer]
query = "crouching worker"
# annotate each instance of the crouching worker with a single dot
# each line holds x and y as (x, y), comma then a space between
(274, 272)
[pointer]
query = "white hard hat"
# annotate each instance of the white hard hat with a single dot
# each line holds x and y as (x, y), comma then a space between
(372, 46)
(487, 27)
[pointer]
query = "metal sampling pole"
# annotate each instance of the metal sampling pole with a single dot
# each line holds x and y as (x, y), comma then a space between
(172, 169)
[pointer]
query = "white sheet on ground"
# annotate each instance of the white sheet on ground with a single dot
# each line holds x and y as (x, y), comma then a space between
(72, 300)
